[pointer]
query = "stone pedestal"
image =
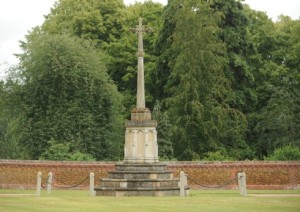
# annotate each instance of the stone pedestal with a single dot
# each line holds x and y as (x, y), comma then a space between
(141, 138)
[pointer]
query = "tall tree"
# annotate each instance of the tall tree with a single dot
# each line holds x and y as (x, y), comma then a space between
(99, 21)
(200, 94)
(69, 97)
(239, 47)
(274, 121)
(107, 24)
(166, 54)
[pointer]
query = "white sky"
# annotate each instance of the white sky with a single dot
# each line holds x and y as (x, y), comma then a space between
(17, 17)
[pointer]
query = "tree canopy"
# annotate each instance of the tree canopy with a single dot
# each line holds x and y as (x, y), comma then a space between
(221, 79)
(68, 97)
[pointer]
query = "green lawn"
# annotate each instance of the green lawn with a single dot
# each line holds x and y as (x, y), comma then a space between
(212, 200)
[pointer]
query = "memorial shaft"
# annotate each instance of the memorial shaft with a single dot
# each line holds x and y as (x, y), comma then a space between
(140, 98)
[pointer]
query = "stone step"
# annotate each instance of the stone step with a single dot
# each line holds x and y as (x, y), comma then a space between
(140, 183)
(140, 175)
(139, 179)
(140, 167)
(137, 192)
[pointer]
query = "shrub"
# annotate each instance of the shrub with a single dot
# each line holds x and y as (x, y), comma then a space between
(285, 153)
(220, 155)
(79, 156)
(61, 151)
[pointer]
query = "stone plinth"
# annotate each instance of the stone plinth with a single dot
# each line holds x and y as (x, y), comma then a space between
(141, 138)
(140, 114)
(139, 180)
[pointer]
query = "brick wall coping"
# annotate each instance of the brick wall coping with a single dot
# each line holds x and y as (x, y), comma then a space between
(169, 163)
(234, 164)
(56, 162)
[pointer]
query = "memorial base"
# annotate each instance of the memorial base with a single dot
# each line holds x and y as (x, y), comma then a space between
(141, 138)
(139, 180)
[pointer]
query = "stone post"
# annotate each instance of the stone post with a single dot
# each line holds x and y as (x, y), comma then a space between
(183, 184)
(242, 183)
(39, 184)
(49, 182)
(92, 184)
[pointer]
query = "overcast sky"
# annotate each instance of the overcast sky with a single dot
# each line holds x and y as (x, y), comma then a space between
(17, 17)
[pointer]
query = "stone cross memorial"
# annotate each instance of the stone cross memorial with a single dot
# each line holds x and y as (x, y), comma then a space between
(141, 135)
(140, 174)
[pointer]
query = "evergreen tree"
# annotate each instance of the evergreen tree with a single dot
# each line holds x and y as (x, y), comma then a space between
(200, 94)
(240, 48)
(164, 133)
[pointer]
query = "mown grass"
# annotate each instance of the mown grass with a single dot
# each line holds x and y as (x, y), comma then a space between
(199, 200)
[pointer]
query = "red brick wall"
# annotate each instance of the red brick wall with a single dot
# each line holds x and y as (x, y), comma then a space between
(260, 175)
(23, 174)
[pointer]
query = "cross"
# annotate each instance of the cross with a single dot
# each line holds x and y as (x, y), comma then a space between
(140, 29)
(140, 98)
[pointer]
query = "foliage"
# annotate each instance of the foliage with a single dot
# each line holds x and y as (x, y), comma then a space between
(165, 146)
(240, 49)
(107, 24)
(219, 155)
(165, 53)
(79, 156)
(285, 153)
(123, 67)
(56, 151)
(222, 79)
(98, 21)
(275, 121)
(68, 97)
(199, 104)
(11, 115)
(61, 151)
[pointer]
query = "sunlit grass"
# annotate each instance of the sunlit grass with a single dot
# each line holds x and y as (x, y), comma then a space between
(199, 200)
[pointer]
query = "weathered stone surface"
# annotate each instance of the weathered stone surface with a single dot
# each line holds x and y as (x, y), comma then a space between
(135, 192)
(138, 183)
(141, 145)
(140, 114)
(139, 179)
(141, 167)
(144, 123)
(140, 175)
